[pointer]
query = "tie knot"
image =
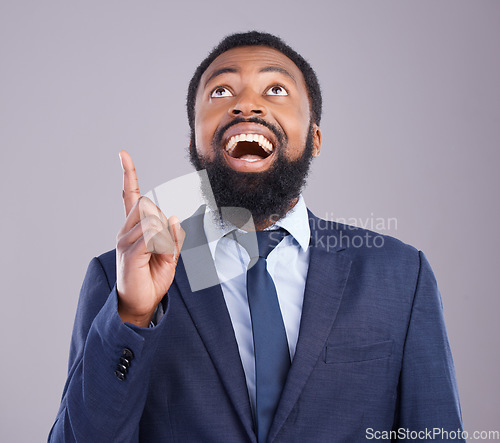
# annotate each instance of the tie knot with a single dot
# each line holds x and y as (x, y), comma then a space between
(261, 243)
(268, 240)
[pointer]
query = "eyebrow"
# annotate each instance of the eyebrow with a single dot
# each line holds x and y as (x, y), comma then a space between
(221, 71)
(218, 72)
(278, 69)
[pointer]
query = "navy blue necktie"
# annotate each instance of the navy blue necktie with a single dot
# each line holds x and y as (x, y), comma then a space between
(272, 357)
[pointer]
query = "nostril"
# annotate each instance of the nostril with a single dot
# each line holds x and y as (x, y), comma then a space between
(249, 111)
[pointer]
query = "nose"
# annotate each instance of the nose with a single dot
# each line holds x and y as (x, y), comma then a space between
(248, 103)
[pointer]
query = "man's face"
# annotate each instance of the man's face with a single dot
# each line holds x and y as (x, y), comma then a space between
(253, 82)
(253, 131)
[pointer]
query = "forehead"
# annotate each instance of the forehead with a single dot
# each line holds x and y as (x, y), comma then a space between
(256, 58)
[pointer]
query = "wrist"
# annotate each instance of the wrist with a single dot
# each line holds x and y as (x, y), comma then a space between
(141, 320)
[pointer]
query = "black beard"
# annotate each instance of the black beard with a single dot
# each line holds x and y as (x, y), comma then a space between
(268, 195)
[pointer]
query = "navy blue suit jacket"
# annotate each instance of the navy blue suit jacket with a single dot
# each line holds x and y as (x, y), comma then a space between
(372, 354)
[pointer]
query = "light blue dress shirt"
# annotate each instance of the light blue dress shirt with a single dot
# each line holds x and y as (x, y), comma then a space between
(287, 264)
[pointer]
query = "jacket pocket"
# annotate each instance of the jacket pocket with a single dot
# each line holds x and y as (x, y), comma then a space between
(358, 353)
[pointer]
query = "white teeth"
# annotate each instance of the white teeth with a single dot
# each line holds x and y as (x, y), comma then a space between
(231, 145)
(263, 142)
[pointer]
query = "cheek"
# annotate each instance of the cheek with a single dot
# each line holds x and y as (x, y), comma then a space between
(206, 124)
(296, 125)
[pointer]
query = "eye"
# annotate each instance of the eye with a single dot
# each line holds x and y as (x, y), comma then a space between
(221, 92)
(276, 90)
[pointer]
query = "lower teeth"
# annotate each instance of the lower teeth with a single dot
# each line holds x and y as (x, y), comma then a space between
(251, 158)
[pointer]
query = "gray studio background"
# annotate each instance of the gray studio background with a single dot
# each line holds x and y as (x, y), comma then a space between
(410, 131)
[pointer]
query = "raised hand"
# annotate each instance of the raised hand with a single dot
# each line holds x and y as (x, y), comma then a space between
(147, 250)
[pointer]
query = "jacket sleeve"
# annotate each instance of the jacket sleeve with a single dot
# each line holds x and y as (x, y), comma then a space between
(97, 405)
(428, 395)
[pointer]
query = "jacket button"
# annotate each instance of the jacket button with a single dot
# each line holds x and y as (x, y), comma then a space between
(120, 375)
(128, 354)
(124, 362)
(121, 368)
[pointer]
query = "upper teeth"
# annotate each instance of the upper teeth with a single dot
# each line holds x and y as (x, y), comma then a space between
(263, 142)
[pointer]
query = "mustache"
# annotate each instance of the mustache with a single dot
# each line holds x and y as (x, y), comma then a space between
(278, 132)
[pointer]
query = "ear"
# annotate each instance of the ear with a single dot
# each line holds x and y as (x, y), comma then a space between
(316, 140)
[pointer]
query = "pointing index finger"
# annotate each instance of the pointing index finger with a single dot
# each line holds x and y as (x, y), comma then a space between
(131, 191)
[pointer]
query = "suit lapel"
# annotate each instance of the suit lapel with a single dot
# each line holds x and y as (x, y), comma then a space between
(209, 313)
(326, 279)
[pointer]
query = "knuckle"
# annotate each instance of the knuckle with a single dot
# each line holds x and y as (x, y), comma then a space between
(121, 243)
(130, 171)
(145, 201)
(125, 253)
(152, 222)
(119, 236)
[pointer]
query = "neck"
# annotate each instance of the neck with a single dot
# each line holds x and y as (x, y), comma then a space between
(241, 217)
(261, 225)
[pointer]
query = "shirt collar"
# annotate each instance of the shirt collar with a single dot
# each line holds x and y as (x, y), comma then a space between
(296, 222)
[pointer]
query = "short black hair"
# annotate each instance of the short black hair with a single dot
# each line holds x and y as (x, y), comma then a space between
(256, 38)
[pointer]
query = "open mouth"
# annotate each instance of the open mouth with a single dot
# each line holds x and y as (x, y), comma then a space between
(249, 147)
